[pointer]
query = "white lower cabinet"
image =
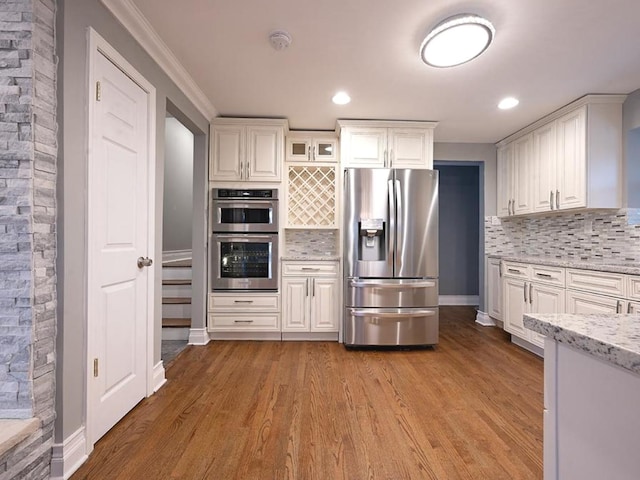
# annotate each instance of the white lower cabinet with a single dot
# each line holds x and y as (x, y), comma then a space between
(530, 289)
(587, 302)
(244, 312)
(494, 288)
(310, 295)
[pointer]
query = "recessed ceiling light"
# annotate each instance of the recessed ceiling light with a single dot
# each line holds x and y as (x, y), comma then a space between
(341, 98)
(507, 103)
(457, 40)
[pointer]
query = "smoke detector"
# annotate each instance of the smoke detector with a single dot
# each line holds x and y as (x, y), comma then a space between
(280, 39)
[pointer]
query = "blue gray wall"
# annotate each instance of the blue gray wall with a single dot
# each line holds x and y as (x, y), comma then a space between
(459, 231)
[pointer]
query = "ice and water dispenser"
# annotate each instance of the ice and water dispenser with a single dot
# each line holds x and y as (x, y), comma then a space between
(372, 239)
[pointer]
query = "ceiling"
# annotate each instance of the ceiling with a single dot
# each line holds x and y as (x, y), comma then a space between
(546, 53)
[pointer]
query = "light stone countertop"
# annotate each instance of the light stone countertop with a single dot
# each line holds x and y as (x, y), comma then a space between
(613, 266)
(614, 338)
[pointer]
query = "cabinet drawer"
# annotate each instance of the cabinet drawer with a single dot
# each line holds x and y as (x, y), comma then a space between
(549, 275)
(227, 322)
(598, 282)
(244, 302)
(317, 269)
(516, 270)
(633, 287)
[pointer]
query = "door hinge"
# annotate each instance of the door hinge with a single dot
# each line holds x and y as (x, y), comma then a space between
(95, 367)
(98, 91)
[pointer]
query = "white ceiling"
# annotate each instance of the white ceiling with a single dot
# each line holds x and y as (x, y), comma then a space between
(546, 52)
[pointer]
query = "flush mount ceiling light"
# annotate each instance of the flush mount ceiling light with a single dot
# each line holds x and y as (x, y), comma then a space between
(507, 103)
(456, 40)
(341, 98)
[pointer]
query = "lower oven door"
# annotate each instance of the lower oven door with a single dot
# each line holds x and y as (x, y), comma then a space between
(245, 262)
(391, 326)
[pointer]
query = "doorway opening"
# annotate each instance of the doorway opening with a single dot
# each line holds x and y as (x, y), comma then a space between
(461, 232)
(177, 237)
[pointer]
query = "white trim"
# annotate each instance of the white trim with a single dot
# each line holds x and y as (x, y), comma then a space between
(458, 300)
(527, 345)
(158, 377)
(68, 456)
(98, 45)
(175, 255)
(275, 336)
(484, 319)
(310, 336)
(139, 27)
(198, 336)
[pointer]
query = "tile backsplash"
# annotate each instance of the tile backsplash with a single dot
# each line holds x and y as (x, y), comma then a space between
(311, 242)
(590, 235)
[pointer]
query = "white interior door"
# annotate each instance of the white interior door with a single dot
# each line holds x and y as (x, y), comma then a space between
(119, 232)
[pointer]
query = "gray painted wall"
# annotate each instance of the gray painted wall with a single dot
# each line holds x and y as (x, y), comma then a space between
(178, 186)
(74, 18)
(631, 143)
(486, 154)
(459, 229)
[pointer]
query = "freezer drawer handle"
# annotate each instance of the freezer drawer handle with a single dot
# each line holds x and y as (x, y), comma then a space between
(354, 283)
(418, 313)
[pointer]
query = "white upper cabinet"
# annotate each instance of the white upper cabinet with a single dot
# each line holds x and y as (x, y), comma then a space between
(381, 144)
(306, 146)
(247, 149)
(574, 159)
(505, 180)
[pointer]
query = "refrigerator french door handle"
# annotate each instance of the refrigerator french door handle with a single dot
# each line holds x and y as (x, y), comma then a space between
(399, 225)
(391, 233)
(368, 313)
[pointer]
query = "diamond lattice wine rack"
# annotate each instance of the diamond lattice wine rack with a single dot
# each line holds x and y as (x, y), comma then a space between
(311, 196)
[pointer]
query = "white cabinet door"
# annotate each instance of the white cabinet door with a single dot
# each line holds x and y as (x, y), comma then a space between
(633, 307)
(494, 288)
(522, 175)
(515, 307)
(364, 146)
(324, 150)
(410, 148)
(295, 300)
(227, 153)
(544, 299)
(264, 155)
(579, 302)
(544, 168)
(324, 304)
(571, 160)
(298, 149)
(505, 180)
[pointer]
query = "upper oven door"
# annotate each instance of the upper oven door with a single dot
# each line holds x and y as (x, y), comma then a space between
(245, 215)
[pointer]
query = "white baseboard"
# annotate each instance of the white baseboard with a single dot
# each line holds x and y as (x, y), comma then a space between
(310, 336)
(527, 345)
(275, 336)
(198, 336)
(68, 456)
(484, 319)
(158, 376)
(175, 255)
(175, 333)
(458, 299)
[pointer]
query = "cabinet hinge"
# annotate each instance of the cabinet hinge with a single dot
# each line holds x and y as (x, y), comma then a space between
(95, 367)
(98, 91)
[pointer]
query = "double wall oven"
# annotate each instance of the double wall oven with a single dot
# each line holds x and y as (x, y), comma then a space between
(245, 239)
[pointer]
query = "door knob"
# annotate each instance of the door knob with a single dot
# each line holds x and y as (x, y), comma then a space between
(144, 262)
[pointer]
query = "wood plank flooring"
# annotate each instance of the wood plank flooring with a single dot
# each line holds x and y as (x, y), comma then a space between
(469, 409)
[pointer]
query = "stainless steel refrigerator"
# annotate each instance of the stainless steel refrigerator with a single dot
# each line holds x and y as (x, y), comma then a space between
(390, 257)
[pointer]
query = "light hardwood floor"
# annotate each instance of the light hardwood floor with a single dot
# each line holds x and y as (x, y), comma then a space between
(469, 409)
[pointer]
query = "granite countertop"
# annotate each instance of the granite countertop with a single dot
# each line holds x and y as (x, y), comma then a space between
(614, 338)
(311, 257)
(613, 266)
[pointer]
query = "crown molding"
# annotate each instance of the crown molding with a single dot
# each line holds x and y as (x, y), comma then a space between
(139, 27)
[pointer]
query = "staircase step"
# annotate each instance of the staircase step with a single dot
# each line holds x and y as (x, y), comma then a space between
(176, 322)
(176, 281)
(177, 264)
(176, 301)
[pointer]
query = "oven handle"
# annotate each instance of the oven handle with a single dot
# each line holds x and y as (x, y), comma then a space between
(243, 237)
(245, 204)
